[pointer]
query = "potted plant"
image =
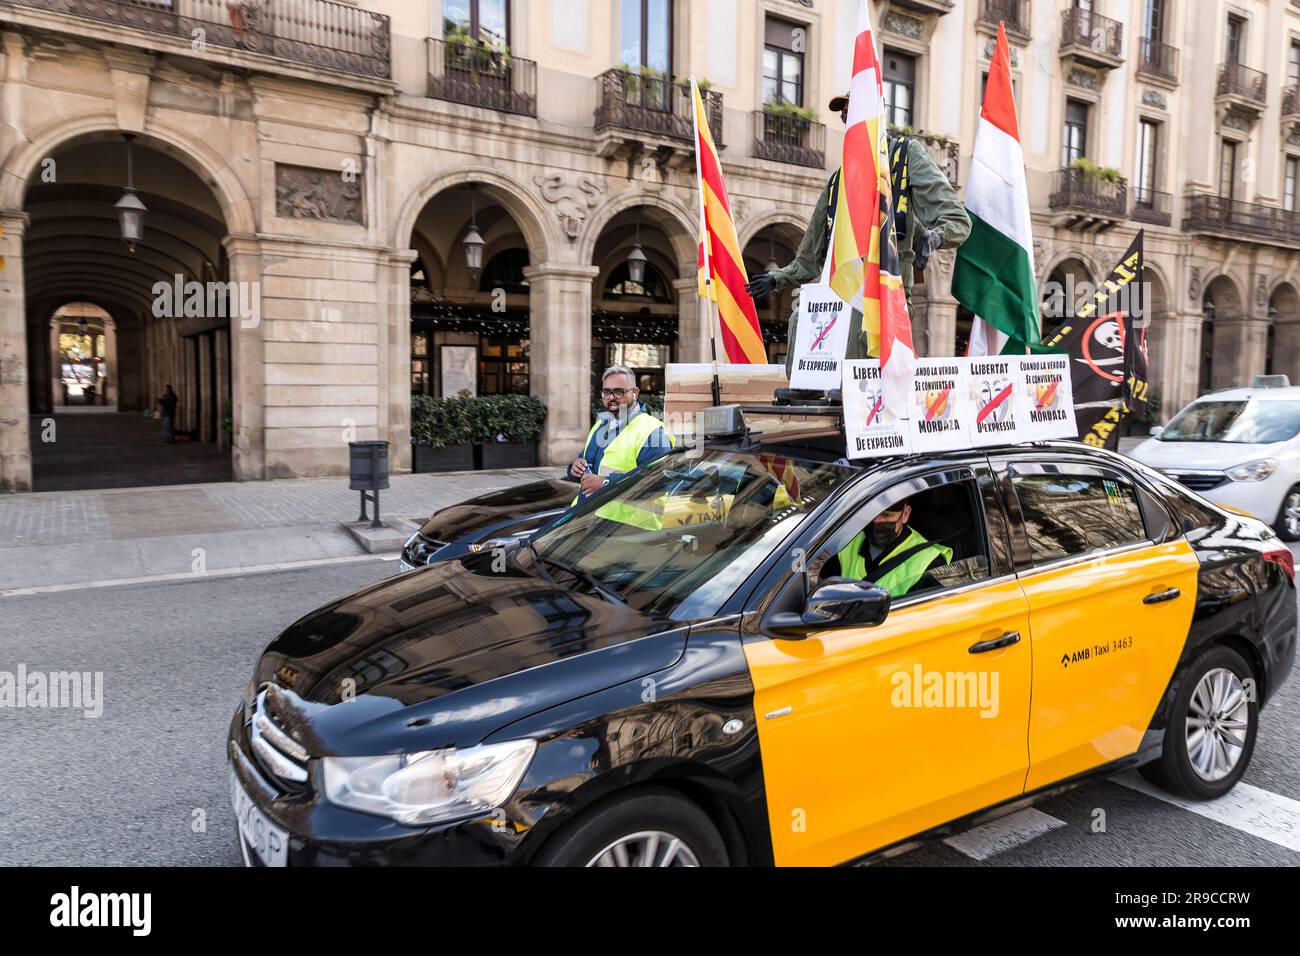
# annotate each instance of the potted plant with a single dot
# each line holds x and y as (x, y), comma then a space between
(1090, 170)
(440, 434)
(506, 429)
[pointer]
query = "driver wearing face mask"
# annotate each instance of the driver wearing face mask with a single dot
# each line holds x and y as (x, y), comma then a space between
(893, 556)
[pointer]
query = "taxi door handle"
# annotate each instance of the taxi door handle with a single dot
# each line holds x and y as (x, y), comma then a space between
(1006, 640)
(1163, 597)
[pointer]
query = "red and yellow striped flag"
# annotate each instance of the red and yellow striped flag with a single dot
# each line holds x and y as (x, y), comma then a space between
(722, 276)
(866, 260)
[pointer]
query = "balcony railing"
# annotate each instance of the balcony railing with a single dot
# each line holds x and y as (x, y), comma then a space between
(463, 71)
(784, 138)
(1242, 82)
(1159, 60)
(1014, 13)
(1219, 214)
(1085, 32)
(657, 105)
(318, 33)
(1152, 207)
(1291, 103)
(1076, 190)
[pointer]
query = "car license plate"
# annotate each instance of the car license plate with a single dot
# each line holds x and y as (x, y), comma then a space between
(258, 834)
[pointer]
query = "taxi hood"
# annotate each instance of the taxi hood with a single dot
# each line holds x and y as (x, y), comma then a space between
(445, 655)
(1198, 455)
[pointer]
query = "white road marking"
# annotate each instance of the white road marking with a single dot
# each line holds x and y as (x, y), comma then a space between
(191, 576)
(1007, 833)
(1251, 810)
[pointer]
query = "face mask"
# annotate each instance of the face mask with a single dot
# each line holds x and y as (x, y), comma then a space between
(881, 533)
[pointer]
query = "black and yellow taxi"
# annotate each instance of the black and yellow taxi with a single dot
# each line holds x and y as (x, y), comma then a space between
(718, 660)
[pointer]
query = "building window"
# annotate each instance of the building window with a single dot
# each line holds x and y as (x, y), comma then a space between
(900, 87)
(1228, 169)
(485, 20)
(1289, 183)
(646, 33)
(1148, 151)
(1293, 65)
(1236, 40)
(1153, 21)
(783, 60)
(1074, 144)
(652, 287)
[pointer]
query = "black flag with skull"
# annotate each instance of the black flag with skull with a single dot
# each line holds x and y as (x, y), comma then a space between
(1107, 342)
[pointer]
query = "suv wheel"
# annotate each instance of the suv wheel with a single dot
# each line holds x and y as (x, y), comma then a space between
(1288, 519)
(1210, 734)
(646, 828)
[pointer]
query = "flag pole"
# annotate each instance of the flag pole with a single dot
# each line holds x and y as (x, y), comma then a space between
(710, 301)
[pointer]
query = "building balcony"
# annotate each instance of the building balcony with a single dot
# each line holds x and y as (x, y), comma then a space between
(1242, 90)
(784, 138)
(1087, 202)
(1014, 13)
(1089, 39)
(1158, 61)
(318, 34)
(939, 7)
(1226, 218)
(638, 113)
(463, 71)
(1291, 108)
(1154, 208)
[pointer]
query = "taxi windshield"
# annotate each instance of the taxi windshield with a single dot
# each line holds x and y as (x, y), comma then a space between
(1248, 423)
(675, 540)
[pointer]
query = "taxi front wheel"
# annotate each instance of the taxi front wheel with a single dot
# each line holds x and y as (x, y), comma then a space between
(651, 827)
(1210, 734)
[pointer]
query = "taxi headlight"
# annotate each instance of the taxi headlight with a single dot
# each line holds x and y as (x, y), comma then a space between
(1253, 471)
(429, 787)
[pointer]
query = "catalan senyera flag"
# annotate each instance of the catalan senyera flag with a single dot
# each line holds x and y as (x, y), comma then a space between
(722, 277)
(865, 261)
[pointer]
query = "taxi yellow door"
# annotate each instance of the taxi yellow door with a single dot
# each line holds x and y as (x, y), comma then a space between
(871, 735)
(1109, 614)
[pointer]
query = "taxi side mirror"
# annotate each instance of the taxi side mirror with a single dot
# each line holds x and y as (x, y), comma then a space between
(838, 603)
(1157, 432)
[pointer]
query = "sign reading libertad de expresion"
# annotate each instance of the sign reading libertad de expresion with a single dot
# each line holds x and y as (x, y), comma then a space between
(821, 338)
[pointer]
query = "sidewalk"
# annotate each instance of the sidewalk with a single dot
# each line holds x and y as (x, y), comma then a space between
(72, 537)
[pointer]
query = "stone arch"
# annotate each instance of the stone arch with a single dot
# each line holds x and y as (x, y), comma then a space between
(1282, 352)
(1224, 291)
(676, 221)
(511, 194)
(773, 217)
(170, 140)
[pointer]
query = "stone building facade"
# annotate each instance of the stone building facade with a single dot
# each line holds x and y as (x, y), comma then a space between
(315, 174)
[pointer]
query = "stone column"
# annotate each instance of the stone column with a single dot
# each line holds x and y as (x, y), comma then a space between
(395, 358)
(1286, 348)
(56, 367)
(247, 374)
(941, 328)
(694, 323)
(205, 386)
(15, 443)
(1239, 347)
(560, 357)
(111, 381)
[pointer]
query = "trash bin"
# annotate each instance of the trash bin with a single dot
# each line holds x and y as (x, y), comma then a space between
(368, 473)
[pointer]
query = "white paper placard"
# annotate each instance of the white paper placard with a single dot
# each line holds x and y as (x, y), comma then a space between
(821, 338)
(1047, 395)
(999, 414)
(941, 414)
(871, 430)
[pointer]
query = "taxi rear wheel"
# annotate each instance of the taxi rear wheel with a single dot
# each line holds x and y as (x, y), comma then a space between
(652, 827)
(1210, 734)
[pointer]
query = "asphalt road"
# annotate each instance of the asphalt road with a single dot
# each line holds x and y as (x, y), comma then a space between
(145, 784)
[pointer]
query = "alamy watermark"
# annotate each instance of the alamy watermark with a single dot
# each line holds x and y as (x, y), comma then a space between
(179, 299)
(53, 690)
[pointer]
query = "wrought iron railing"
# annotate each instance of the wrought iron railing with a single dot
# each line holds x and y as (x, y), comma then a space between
(1152, 207)
(1083, 29)
(463, 71)
(1014, 13)
(1158, 60)
(653, 103)
(786, 138)
(1220, 214)
(1291, 101)
(319, 33)
(1078, 190)
(1236, 79)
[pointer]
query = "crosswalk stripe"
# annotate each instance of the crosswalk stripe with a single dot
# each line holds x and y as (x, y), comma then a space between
(1004, 834)
(1252, 810)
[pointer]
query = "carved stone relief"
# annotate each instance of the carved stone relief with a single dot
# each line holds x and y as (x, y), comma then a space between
(327, 195)
(572, 199)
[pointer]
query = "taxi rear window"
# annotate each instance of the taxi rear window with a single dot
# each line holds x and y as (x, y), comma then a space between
(1069, 515)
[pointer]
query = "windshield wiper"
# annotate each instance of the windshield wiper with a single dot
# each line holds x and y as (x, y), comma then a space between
(537, 560)
(590, 579)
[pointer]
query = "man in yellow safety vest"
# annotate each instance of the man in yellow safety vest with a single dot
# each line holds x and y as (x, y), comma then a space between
(893, 556)
(625, 437)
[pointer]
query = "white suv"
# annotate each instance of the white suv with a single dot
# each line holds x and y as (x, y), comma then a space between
(1239, 448)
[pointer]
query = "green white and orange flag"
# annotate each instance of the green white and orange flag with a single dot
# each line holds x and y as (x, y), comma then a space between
(722, 277)
(994, 274)
(865, 261)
